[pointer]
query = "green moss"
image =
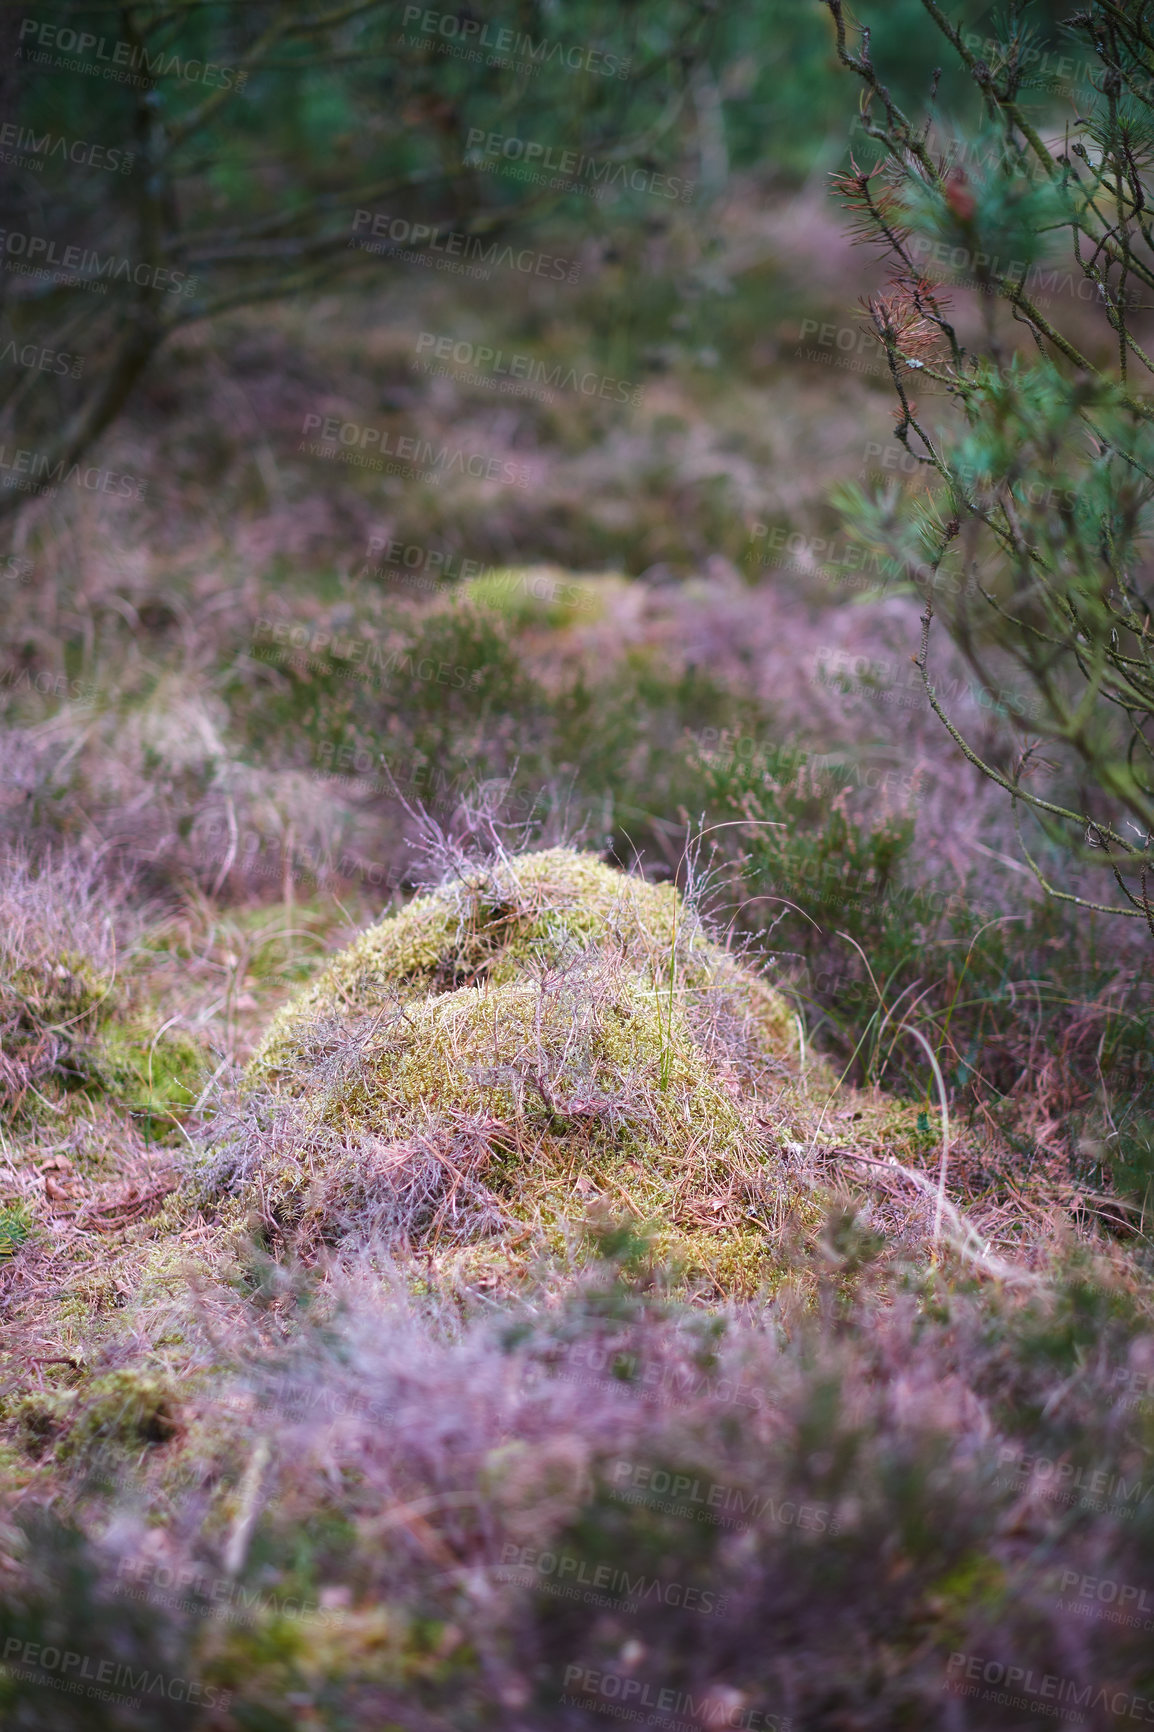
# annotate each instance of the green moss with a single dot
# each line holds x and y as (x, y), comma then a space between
(15, 1229)
(48, 1008)
(61, 991)
(536, 596)
(154, 1078)
(543, 1032)
(40, 1417)
(538, 909)
(976, 1590)
(129, 1409)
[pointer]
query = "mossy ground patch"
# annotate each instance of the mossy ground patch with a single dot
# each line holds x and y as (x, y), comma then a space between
(538, 1032)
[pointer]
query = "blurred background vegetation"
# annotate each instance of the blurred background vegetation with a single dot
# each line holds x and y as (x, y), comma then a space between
(240, 178)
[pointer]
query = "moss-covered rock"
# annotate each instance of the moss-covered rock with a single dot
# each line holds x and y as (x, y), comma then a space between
(537, 1033)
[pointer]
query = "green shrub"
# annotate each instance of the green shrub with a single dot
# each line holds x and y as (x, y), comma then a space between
(1039, 454)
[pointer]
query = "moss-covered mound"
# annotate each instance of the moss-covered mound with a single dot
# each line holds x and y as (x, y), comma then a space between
(538, 1033)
